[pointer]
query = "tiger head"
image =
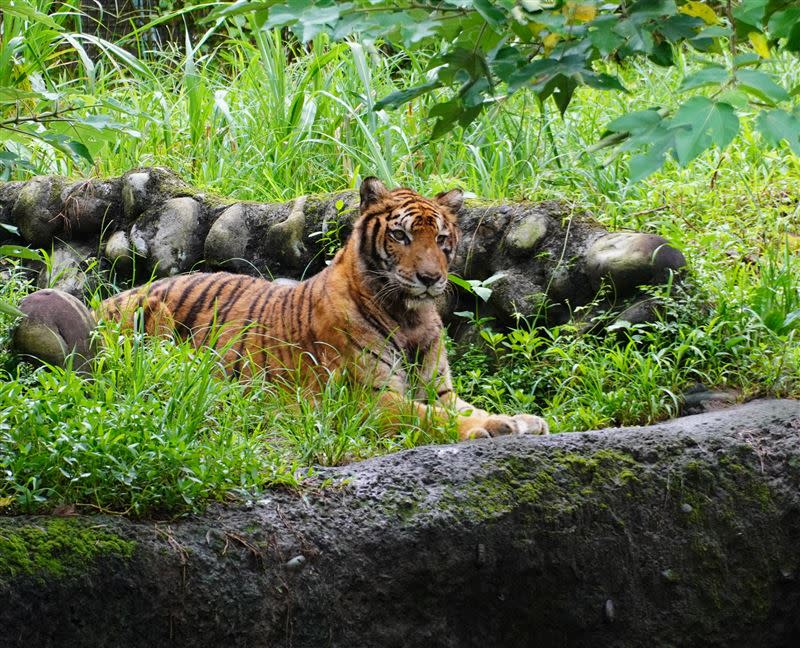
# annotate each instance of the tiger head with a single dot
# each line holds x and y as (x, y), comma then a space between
(405, 241)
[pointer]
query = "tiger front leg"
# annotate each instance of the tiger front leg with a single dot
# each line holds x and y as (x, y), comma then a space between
(473, 422)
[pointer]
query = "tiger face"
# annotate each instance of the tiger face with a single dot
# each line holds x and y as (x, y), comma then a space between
(406, 241)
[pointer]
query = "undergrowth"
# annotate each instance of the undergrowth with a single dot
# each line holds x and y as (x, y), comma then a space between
(156, 427)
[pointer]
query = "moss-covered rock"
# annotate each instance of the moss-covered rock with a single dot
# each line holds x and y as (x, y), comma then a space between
(56, 548)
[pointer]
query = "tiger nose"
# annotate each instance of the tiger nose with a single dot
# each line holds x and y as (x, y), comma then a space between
(428, 279)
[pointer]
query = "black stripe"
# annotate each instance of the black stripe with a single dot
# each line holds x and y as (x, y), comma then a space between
(379, 357)
(285, 305)
(373, 240)
(307, 299)
(201, 303)
(442, 392)
(170, 285)
(222, 310)
(263, 300)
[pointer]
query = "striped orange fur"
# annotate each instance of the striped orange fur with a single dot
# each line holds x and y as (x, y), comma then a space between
(372, 310)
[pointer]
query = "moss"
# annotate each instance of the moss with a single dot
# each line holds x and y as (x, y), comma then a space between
(560, 485)
(56, 548)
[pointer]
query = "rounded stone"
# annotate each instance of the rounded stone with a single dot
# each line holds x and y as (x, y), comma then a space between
(86, 208)
(525, 235)
(65, 272)
(118, 249)
(37, 210)
(144, 189)
(55, 325)
(226, 243)
(629, 260)
(134, 193)
(172, 235)
(286, 237)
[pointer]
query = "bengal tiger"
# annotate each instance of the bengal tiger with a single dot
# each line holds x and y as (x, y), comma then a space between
(371, 311)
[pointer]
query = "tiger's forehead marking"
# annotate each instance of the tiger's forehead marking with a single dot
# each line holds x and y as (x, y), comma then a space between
(415, 212)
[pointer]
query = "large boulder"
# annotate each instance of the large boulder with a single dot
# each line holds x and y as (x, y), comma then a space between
(679, 534)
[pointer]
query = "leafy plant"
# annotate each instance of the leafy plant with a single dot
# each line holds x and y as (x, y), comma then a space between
(15, 252)
(487, 50)
(42, 120)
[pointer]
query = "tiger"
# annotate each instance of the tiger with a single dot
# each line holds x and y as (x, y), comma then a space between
(372, 312)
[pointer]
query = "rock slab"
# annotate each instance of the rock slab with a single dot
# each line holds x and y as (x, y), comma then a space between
(680, 534)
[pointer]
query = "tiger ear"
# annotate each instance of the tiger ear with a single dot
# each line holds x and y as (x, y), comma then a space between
(454, 199)
(372, 190)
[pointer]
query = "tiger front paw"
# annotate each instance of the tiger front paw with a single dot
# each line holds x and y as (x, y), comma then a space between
(501, 425)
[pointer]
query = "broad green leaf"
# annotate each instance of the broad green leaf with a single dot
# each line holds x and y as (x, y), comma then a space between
(750, 12)
(306, 19)
(534, 73)
(701, 122)
(782, 23)
(79, 149)
(777, 125)
(662, 54)
(505, 62)
(564, 88)
(400, 97)
(679, 27)
(761, 85)
(491, 14)
(601, 81)
(20, 252)
(746, 58)
(13, 95)
(446, 114)
(644, 164)
(636, 122)
(659, 141)
(603, 36)
(652, 8)
(8, 309)
(461, 283)
(709, 75)
(637, 38)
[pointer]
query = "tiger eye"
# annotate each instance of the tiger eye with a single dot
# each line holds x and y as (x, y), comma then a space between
(399, 235)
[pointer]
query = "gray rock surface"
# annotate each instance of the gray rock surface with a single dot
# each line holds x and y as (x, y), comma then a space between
(172, 234)
(66, 268)
(552, 259)
(680, 534)
(37, 210)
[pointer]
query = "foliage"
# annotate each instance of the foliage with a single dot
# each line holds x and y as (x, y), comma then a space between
(40, 115)
(158, 426)
(11, 252)
(266, 118)
(486, 50)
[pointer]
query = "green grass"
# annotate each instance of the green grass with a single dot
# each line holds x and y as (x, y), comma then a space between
(157, 427)
(252, 119)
